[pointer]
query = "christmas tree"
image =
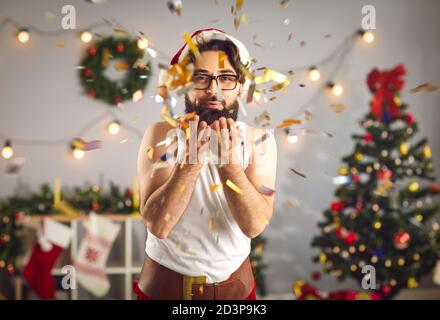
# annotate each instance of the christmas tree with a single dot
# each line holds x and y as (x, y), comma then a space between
(384, 198)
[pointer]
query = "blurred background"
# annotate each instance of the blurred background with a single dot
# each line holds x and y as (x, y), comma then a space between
(68, 140)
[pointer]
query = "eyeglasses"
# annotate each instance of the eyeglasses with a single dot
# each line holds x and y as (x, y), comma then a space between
(224, 81)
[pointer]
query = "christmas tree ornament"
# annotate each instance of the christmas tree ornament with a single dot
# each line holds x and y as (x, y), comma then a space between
(401, 240)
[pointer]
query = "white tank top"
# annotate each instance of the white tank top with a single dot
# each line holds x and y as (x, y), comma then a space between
(207, 240)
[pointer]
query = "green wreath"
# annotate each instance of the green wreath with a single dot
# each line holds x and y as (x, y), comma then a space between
(96, 61)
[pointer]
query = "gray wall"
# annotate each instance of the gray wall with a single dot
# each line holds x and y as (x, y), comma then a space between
(41, 97)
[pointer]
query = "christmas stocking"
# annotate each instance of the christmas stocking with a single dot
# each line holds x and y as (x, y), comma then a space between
(51, 241)
(93, 253)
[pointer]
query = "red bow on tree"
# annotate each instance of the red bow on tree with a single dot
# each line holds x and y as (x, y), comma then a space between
(384, 85)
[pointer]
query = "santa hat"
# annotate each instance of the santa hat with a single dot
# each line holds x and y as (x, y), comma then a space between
(205, 35)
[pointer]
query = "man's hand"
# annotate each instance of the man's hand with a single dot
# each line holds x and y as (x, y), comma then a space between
(228, 137)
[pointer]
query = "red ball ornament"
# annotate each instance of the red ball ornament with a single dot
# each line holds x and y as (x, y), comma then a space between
(316, 275)
(120, 47)
(87, 72)
(386, 289)
(95, 206)
(434, 188)
(92, 51)
(359, 207)
(368, 137)
(337, 206)
(350, 238)
(118, 99)
(409, 118)
(401, 240)
(340, 233)
(355, 178)
(19, 215)
(91, 93)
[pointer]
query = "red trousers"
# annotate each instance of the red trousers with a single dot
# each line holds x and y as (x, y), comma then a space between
(143, 296)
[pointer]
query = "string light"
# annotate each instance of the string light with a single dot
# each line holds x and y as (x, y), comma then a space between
(7, 151)
(23, 36)
(336, 88)
(292, 138)
(114, 127)
(77, 153)
(86, 36)
(367, 36)
(142, 43)
(314, 74)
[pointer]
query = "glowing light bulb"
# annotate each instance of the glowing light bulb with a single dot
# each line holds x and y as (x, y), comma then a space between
(78, 153)
(314, 74)
(7, 151)
(368, 37)
(23, 36)
(142, 43)
(337, 89)
(86, 36)
(292, 138)
(114, 127)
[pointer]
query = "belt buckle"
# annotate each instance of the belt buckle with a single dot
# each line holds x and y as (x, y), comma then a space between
(188, 282)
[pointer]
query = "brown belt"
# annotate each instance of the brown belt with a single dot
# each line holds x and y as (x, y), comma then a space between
(161, 283)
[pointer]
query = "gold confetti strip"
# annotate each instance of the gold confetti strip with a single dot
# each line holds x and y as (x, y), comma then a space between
(338, 108)
(106, 56)
(293, 203)
(280, 85)
(284, 3)
(212, 224)
(221, 60)
(298, 173)
(427, 87)
(182, 188)
(266, 221)
(121, 32)
(121, 66)
(59, 43)
(244, 19)
(192, 46)
(238, 4)
(215, 187)
(288, 123)
(150, 152)
(275, 76)
(168, 119)
(251, 92)
(231, 185)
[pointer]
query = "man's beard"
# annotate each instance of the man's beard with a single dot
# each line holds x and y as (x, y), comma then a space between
(210, 115)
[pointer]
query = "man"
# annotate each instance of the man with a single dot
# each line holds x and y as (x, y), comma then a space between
(201, 216)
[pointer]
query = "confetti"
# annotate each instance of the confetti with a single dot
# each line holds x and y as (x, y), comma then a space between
(327, 35)
(168, 119)
(427, 87)
(49, 16)
(293, 203)
(238, 4)
(286, 21)
(302, 44)
(59, 43)
(182, 188)
(244, 19)
(288, 123)
(86, 146)
(263, 116)
(338, 108)
(137, 95)
(121, 32)
(266, 191)
(192, 46)
(221, 60)
(284, 3)
(121, 66)
(298, 173)
(106, 56)
(289, 37)
(251, 91)
(212, 224)
(261, 139)
(150, 152)
(231, 185)
(175, 6)
(215, 187)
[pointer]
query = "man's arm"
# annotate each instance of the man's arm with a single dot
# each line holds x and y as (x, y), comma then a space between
(251, 209)
(165, 192)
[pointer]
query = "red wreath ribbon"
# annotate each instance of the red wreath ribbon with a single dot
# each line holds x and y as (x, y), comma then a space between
(384, 85)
